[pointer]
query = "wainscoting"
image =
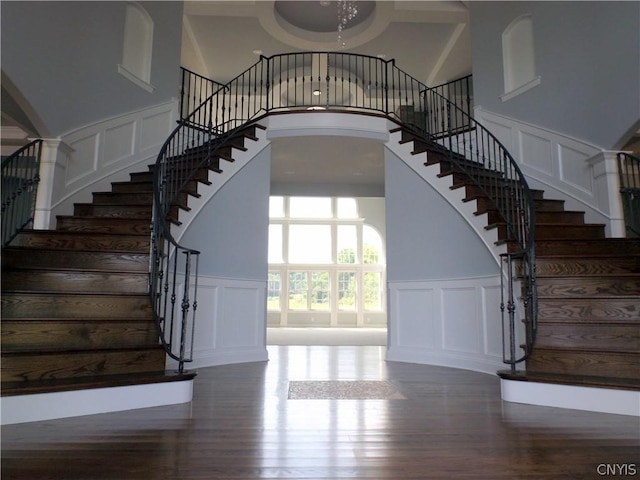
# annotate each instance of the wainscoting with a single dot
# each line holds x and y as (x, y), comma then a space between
(231, 322)
(87, 160)
(566, 168)
(454, 323)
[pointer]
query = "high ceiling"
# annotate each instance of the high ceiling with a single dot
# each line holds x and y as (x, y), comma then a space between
(430, 40)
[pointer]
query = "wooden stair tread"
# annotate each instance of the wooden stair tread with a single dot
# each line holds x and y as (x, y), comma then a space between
(103, 381)
(576, 380)
(118, 319)
(65, 351)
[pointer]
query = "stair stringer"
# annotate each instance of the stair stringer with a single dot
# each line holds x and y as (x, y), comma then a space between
(217, 181)
(454, 197)
(467, 210)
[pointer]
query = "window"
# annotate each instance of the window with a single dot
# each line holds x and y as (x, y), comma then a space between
(275, 244)
(518, 57)
(347, 290)
(347, 243)
(309, 243)
(323, 258)
(137, 46)
(273, 291)
(298, 291)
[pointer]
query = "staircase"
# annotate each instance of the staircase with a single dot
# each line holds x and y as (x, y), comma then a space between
(588, 287)
(76, 309)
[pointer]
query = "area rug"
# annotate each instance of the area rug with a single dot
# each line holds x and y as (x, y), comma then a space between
(343, 390)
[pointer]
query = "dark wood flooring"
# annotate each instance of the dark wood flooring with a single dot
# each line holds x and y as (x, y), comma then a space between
(241, 425)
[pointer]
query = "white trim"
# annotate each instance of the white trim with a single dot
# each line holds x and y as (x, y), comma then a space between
(135, 79)
(521, 89)
(604, 400)
(448, 322)
(446, 51)
(566, 168)
(49, 406)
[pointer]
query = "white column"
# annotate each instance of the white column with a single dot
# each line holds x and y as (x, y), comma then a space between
(52, 171)
(607, 189)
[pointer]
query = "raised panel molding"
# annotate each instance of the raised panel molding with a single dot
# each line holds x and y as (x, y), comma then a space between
(107, 151)
(453, 323)
(537, 152)
(83, 158)
(564, 167)
(231, 322)
(118, 143)
(492, 320)
(153, 130)
(457, 306)
(575, 169)
(415, 327)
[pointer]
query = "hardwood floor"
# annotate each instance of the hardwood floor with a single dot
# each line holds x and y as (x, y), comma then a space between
(241, 425)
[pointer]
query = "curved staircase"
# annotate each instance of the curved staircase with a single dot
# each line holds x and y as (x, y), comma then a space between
(76, 310)
(588, 287)
(80, 309)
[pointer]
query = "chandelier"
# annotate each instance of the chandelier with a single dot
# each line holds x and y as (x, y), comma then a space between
(347, 10)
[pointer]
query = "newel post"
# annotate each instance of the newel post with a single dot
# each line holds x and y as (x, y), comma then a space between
(52, 179)
(607, 190)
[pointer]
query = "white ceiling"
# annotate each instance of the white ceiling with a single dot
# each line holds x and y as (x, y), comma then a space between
(430, 40)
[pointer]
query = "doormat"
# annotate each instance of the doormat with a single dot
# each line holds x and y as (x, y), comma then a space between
(343, 390)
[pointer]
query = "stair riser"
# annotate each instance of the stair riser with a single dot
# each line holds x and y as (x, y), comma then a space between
(76, 282)
(74, 241)
(16, 305)
(38, 366)
(591, 287)
(545, 248)
(486, 187)
(144, 177)
(35, 258)
(34, 335)
(573, 218)
(108, 198)
(485, 205)
(603, 338)
(114, 211)
(591, 310)
(588, 266)
(585, 363)
(104, 225)
(546, 232)
(130, 188)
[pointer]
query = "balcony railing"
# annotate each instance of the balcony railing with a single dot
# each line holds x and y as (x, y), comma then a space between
(318, 81)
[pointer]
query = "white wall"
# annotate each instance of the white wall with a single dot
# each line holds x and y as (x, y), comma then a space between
(586, 54)
(443, 281)
(427, 238)
(231, 231)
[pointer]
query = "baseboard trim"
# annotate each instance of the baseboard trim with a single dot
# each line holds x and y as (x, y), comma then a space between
(49, 406)
(592, 399)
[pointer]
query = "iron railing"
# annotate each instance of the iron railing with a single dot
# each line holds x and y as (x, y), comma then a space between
(194, 90)
(629, 171)
(20, 179)
(315, 81)
(460, 94)
(472, 149)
